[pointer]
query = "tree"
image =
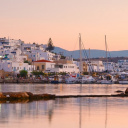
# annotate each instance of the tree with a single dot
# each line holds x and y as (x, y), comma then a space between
(26, 61)
(23, 73)
(62, 57)
(50, 45)
(36, 73)
(62, 73)
(85, 73)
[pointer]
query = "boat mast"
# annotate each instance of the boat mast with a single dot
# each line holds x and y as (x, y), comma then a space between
(89, 63)
(80, 66)
(106, 53)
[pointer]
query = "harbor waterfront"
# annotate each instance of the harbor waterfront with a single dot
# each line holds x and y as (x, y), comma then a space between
(103, 112)
(63, 64)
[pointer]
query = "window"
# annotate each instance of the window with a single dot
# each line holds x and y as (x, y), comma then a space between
(8, 65)
(42, 66)
(14, 69)
(38, 68)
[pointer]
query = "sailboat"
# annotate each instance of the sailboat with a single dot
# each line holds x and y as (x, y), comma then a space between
(73, 80)
(82, 79)
(87, 78)
(70, 79)
(108, 79)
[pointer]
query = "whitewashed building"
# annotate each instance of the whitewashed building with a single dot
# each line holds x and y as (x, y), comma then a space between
(96, 66)
(18, 66)
(68, 68)
(39, 55)
(6, 66)
(123, 65)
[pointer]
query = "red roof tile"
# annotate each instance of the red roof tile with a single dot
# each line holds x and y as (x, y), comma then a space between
(43, 61)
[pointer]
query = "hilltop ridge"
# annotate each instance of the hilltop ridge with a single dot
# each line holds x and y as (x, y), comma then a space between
(94, 53)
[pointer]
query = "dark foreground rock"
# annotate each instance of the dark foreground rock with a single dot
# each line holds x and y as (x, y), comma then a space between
(24, 96)
(119, 91)
(126, 91)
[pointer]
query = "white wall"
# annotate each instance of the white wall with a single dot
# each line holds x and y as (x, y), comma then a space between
(17, 67)
(97, 66)
(50, 65)
(6, 66)
(68, 68)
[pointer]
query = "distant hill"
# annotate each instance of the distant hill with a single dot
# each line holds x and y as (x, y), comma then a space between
(93, 53)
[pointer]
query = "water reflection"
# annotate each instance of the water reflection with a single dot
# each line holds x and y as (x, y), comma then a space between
(63, 89)
(80, 111)
(77, 113)
(65, 113)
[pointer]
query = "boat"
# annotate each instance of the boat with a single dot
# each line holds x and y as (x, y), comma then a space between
(107, 82)
(123, 78)
(71, 79)
(55, 81)
(87, 79)
(108, 79)
(123, 81)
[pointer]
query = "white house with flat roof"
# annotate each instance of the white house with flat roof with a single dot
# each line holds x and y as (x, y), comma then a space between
(96, 66)
(68, 68)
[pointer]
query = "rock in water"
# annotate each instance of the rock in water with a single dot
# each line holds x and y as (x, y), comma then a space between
(126, 91)
(118, 91)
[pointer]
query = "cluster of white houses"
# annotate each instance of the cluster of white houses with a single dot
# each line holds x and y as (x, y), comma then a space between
(15, 56)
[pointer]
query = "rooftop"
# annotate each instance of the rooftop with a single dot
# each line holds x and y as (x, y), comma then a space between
(43, 61)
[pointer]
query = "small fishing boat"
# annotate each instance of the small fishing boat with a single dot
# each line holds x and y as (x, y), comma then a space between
(71, 79)
(123, 81)
(123, 78)
(87, 79)
(108, 79)
(55, 81)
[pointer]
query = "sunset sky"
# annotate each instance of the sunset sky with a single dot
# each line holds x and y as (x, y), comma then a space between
(63, 20)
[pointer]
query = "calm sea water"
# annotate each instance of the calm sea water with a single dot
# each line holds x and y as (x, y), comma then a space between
(65, 113)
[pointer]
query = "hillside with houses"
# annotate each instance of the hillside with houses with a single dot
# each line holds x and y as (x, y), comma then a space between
(15, 55)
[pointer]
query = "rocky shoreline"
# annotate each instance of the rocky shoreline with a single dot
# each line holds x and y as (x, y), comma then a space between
(24, 97)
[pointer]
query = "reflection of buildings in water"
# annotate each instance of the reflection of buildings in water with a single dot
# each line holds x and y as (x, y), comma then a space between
(50, 110)
(106, 113)
(80, 111)
(26, 109)
(61, 88)
(81, 105)
(4, 111)
(106, 109)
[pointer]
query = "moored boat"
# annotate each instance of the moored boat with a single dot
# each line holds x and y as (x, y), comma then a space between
(123, 81)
